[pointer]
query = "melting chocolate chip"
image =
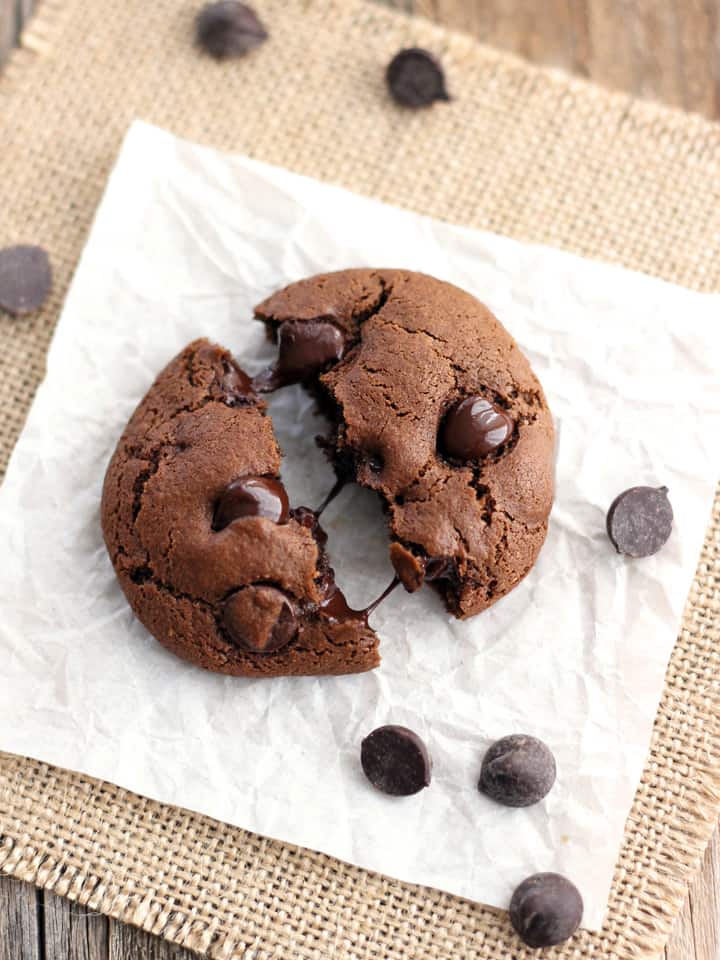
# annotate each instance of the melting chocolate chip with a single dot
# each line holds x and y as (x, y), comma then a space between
(251, 497)
(517, 771)
(474, 428)
(235, 385)
(231, 384)
(228, 28)
(639, 521)
(546, 909)
(310, 520)
(261, 619)
(335, 608)
(396, 761)
(25, 278)
(415, 78)
(413, 570)
(304, 349)
(440, 568)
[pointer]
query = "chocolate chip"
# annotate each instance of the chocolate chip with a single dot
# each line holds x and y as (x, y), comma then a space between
(640, 520)
(251, 497)
(395, 760)
(233, 383)
(546, 909)
(229, 29)
(304, 349)
(25, 278)
(416, 78)
(413, 570)
(474, 428)
(517, 771)
(260, 619)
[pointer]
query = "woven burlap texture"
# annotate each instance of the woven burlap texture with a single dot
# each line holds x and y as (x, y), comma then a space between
(521, 151)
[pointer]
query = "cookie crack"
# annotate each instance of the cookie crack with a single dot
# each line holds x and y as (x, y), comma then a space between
(146, 574)
(386, 288)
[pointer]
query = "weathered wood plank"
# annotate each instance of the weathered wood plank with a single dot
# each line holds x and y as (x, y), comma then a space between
(8, 27)
(19, 929)
(128, 943)
(72, 932)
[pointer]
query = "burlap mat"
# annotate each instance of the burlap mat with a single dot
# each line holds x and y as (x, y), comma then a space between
(521, 151)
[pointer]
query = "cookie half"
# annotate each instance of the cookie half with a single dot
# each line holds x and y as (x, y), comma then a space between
(433, 406)
(211, 557)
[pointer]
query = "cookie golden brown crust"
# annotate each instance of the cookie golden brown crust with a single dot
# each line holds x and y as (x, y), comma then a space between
(198, 429)
(415, 348)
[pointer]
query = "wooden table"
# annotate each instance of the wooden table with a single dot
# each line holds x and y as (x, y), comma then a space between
(666, 49)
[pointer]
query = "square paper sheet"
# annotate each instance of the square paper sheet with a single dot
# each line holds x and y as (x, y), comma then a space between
(186, 241)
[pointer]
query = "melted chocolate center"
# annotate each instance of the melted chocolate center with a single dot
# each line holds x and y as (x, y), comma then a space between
(251, 497)
(303, 350)
(334, 605)
(474, 428)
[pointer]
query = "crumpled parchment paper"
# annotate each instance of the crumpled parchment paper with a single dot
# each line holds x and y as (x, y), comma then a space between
(185, 242)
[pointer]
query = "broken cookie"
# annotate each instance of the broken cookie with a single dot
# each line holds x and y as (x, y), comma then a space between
(212, 559)
(435, 408)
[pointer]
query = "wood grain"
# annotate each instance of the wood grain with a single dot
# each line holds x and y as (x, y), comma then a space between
(668, 50)
(129, 944)
(72, 932)
(20, 937)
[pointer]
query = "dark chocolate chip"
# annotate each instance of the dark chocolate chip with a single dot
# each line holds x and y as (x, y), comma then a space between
(474, 428)
(546, 909)
(260, 619)
(413, 570)
(25, 278)
(304, 350)
(234, 384)
(440, 568)
(415, 78)
(640, 520)
(229, 29)
(231, 384)
(396, 761)
(251, 497)
(517, 771)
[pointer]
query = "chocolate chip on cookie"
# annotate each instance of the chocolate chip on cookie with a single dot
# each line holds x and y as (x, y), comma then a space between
(305, 349)
(252, 497)
(261, 619)
(474, 428)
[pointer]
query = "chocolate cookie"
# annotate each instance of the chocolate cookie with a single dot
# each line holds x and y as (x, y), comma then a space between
(433, 406)
(209, 553)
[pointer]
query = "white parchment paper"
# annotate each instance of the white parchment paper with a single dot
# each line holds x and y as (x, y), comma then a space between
(186, 241)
